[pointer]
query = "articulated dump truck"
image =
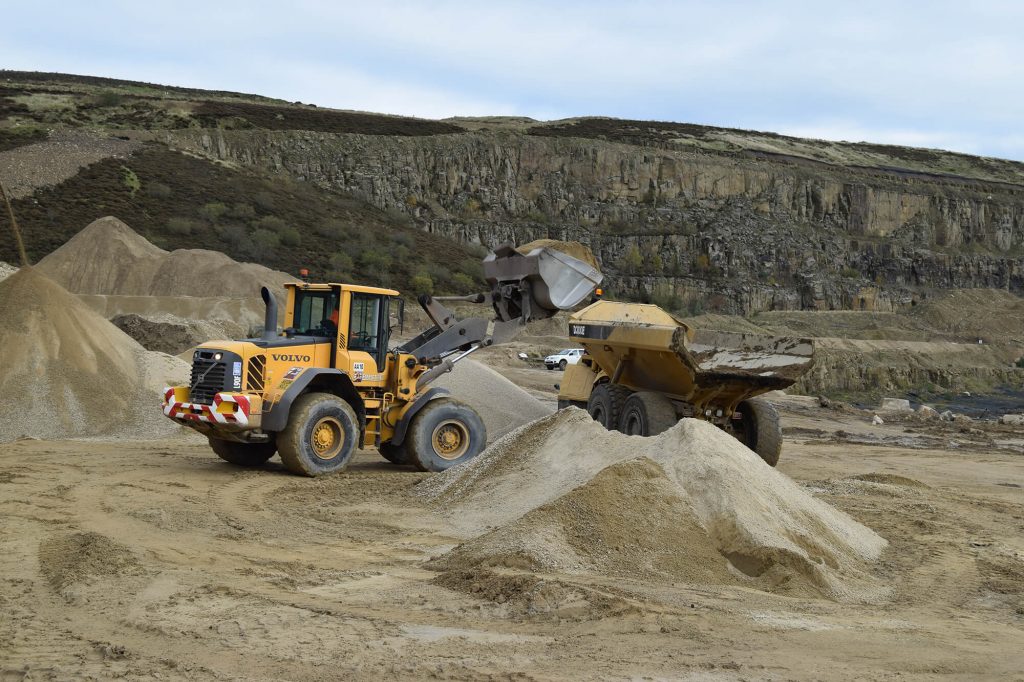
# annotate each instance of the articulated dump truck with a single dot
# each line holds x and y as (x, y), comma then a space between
(643, 370)
(332, 380)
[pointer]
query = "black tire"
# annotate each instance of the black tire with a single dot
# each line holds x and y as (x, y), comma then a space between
(444, 433)
(647, 414)
(321, 435)
(605, 404)
(396, 454)
(562, 364)
(551, 368)
(243, 454)
(760, 430)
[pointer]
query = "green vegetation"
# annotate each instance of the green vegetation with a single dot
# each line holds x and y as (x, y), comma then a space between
(131, 180)
(179, 201)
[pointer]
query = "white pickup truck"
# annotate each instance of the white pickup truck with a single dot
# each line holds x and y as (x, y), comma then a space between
(563, 358)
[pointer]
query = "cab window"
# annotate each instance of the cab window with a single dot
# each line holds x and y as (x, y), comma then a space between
(368, 327)
(316, 313)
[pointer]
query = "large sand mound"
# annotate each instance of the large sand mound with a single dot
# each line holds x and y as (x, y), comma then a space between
(66, 372)
(108, 257)
(501, 404)
(690, 504)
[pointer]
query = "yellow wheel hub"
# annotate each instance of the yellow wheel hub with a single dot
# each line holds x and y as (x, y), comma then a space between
(327, 438)
(450, 439)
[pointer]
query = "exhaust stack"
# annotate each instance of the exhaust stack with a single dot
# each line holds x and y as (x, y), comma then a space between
(270, 321)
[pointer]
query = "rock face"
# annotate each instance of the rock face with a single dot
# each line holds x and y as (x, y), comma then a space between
(730, 231)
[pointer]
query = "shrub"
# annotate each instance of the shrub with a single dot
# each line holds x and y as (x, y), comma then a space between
(131, 180)
(332, 229)
(342, 262)
(243, 211)
(180, 226)
(374, 260)
(264, 242)
(422, 284)
(290, 237)
(157, 190)
(403, 239)
(272, 223)
(234, 234)
(108, 99)
(264, 200)
(213, 211)
(463, 283)
(850, 273)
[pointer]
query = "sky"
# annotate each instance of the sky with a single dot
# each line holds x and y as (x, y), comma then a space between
(938, 74)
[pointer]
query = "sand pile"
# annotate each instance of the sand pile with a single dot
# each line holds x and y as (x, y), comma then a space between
(108, 257)
(66, 372)
(6, 270)
(502, 405)
(691, 504)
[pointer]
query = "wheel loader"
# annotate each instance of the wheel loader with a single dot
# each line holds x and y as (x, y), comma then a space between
(332, 380)
(643, 369)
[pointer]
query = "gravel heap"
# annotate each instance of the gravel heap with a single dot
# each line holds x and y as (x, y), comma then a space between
(110, 258)
(501, 404)
(6, 270)
(692, 504)
(66, 372)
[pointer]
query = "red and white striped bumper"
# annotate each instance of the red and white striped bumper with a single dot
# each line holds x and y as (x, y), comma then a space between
(231, 409)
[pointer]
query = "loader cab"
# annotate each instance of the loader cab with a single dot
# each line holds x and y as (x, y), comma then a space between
(355, 321)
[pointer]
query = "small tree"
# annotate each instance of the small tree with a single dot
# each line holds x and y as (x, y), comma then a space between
(423, 284)
(291, 237)
(632, 261)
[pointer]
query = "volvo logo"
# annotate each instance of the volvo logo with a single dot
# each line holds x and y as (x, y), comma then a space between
(292, 358)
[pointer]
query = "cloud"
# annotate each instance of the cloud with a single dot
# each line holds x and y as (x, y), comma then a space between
(940, 73)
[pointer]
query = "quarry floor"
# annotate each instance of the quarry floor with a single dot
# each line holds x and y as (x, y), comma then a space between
(155, 560)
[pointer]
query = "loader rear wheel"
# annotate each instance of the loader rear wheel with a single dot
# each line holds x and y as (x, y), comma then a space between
(396, 454)
(605, 404)
(444, 433)
(647, 414)
(243, 454)
(321, 435)
(759, 429)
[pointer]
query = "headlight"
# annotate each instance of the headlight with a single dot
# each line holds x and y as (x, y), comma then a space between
(218, 356)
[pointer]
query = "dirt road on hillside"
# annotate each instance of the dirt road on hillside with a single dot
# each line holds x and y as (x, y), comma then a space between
(156, 560)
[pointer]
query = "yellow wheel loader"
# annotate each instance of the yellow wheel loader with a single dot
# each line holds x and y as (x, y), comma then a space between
(332, 381)
(643, 369)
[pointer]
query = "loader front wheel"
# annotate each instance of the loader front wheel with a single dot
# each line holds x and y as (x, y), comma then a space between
(444, 433)
(243, 454)
(759, 429)
(647, 414)
(605, 404)
(321, 435)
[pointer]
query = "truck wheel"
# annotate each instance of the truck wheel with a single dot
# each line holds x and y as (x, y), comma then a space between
(647, 414)
(396, 454)
(760, 429)
(243, 454)
(321, 435)
(444, 433)
(605, 404)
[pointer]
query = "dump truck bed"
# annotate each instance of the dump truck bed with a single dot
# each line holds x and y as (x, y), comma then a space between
(647, 349)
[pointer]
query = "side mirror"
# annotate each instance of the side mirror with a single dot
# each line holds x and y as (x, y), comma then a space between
(290, 332)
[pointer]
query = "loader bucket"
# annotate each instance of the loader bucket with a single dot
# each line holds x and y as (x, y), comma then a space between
(538, 279)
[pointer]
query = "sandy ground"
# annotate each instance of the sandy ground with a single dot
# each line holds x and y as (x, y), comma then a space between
(155, 560)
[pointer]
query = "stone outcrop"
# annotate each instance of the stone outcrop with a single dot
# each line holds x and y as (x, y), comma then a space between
(732, 231)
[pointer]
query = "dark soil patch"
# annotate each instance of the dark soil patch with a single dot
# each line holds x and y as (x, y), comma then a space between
(634, 132)
(270, 117)
(165, 337)
(19, 137)
(179, 201)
